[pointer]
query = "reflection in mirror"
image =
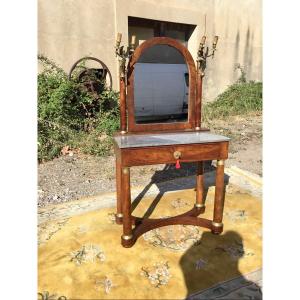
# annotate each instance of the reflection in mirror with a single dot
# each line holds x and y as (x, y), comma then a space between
(161, 86)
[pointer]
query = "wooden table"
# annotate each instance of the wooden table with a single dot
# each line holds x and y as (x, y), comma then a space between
(167, 148)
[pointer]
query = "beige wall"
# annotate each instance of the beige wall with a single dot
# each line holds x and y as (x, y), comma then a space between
(239, 25)
(71, 29)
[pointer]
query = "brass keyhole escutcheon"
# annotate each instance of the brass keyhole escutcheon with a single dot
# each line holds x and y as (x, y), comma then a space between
(177, 154)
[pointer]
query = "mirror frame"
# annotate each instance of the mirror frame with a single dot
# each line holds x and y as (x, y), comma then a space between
(190, 123)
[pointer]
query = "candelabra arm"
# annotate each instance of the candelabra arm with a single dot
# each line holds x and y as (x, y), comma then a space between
(124, 56)
(202, 57)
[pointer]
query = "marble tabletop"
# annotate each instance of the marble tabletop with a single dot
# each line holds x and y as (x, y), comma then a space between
(163, 139)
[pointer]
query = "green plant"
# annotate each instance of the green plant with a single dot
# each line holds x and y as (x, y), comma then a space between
(69, 111)
(51, 139)
(241, 97)
(242, 78)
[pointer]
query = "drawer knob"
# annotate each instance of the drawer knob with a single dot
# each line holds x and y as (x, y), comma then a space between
(177, 154)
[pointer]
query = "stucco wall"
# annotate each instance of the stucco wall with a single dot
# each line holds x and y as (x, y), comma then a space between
(71, 29)
(239, 25)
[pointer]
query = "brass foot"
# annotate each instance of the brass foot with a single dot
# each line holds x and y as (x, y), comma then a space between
(199, 205)
(215, 224)
(127, 237)
(217, 228)
(127, 241)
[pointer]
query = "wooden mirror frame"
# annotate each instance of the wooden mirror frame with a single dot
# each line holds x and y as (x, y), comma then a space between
(194, 102)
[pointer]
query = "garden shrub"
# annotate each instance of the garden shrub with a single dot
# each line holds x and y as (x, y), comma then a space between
(239, 98)
(68, 112)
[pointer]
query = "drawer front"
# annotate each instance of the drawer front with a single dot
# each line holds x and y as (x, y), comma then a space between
(168, 154)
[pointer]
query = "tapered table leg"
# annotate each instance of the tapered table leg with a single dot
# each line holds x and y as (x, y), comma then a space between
(127, 237)
(217, 225)
(119, 215)
(200, 187)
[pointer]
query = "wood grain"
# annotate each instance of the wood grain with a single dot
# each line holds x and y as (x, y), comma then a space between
(123, 117)
(165, 154)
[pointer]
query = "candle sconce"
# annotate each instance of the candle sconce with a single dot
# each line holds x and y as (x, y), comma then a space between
(124, 54)
(203, 53)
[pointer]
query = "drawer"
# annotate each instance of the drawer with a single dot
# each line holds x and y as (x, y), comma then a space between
(166, 154)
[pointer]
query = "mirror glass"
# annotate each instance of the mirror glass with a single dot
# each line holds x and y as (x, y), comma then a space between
(161, 86)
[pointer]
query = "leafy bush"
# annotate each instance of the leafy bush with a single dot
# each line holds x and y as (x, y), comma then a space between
(69, 112)
(241, 97)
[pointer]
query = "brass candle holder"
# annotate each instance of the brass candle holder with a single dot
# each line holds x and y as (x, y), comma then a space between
(124, 54)
(204, 53)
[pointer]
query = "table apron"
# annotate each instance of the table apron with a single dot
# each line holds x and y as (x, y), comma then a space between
(165, 154)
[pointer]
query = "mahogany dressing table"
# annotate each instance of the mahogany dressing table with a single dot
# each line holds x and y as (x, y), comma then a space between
(161, 124)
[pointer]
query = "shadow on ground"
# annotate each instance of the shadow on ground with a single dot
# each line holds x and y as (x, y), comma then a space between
(197, 271)
(185, 183)
(223, 251)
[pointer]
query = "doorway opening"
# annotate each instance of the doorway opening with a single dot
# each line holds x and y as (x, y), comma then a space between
(145, 29)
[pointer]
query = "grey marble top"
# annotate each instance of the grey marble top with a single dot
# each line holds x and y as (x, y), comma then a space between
(161, 139)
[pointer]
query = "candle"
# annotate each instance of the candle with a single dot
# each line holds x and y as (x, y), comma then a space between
(215, 41)
(119, 38)
(133, 38)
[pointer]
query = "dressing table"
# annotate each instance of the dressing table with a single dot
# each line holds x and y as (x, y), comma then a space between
(160, 108)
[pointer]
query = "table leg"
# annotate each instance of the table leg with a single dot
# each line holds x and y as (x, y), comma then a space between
(126, 207)
(200, 186)
(217, 225)
(119, 215)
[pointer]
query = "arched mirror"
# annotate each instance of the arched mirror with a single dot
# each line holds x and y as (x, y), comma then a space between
(161, 86)
(161, 91)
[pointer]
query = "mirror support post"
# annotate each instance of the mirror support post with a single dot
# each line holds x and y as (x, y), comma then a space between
(198, 98)
(123, 125)
(124, 55)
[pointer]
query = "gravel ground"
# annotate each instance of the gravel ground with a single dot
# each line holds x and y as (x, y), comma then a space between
(245, 148)
(72, 177)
